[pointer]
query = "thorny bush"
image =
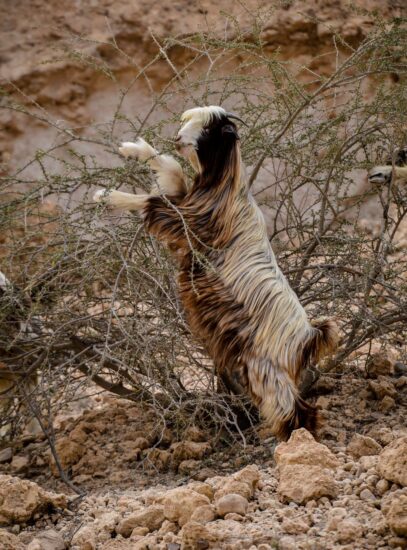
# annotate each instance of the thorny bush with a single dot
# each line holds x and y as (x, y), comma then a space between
(89, 296)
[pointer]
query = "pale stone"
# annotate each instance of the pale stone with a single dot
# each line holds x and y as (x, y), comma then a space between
(295, 526)
(387, 403)
(19, 463)
(301, 483)
(392, 463)
(302, 448)
(47, 540)
(6, 455)
(362, 445)
(20, 500)
(186, 450)
(397, 515)
(180, 504)
(204, 514)
(85, 538)
(381, 363)
(232, 504)
(8, 541)
(151, 518)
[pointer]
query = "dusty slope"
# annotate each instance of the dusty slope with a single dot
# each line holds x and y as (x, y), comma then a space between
(40, 43)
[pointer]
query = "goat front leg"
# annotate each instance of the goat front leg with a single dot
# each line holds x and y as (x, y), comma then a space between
(170, 176)
(118, 199)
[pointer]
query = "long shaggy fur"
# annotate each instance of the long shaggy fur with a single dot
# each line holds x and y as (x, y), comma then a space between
(237, 300)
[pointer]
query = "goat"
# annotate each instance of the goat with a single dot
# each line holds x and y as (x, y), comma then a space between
(384, 174)
(236, 299)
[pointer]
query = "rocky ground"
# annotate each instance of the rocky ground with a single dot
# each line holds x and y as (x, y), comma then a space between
(149, 487)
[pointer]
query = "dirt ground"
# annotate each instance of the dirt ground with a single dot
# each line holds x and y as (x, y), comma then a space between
(127, 462)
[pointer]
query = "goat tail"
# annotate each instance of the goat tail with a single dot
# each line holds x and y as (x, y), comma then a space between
(324, 340)
(275, 393)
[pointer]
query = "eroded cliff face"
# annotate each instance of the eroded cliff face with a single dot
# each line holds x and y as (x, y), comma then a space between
(67, 62)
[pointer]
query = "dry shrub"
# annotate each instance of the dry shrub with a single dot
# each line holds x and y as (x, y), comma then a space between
(92, 297)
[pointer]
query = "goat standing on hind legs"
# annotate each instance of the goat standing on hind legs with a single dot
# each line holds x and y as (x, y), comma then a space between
(236, 299)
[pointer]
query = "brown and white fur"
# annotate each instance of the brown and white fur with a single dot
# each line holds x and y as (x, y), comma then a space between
(236, 299)
(385, 174)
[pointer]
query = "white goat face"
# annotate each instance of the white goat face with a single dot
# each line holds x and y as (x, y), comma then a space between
(380, 174)
(194, 122)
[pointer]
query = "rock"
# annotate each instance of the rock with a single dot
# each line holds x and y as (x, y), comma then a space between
(382, 388)
(187, 467)
(249, 475)
(323, 402)
(335, 517)
(204, 514)
(8, 541)
(231, 504)
(301, 483)
(151, 518)
(305, 469)
(397, 515)
(201, 488)
(234, 517)
(193, 433)
(180, 504)
(47, 540)
(392, 464)
(401, 382)
(397, 542)
(386, 404)
(382, 434)
(227, 534)
(382, 486)
(204, 474)
(20, 500)
(69, 453)
(302, 448)
(232, 486)
(139, 532)
(295, 526)
(368, 462)
(242, 483)
(168, 527)
(19, 463)
(158, 459)
(362, 445)
(85, 538)
(186, 450)
(141, 443)
(6, 455)
(325, 384)
(106, 523)
(381, 363)
(366, 494)
(400, 369)
(349, 530)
